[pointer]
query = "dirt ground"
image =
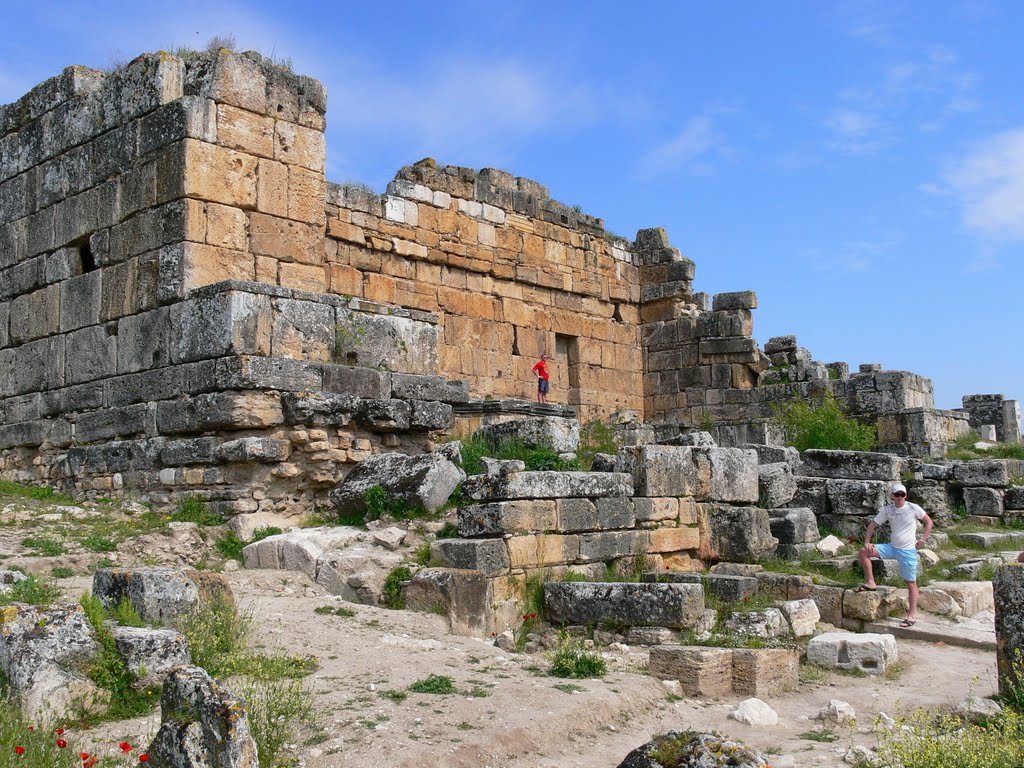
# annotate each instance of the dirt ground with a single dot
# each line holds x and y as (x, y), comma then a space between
(509, 713)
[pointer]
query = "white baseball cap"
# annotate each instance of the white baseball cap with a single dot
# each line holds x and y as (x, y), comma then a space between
(898, 487)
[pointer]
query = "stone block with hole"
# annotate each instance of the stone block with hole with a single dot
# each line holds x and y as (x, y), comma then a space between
(872, 654)
(701, 672)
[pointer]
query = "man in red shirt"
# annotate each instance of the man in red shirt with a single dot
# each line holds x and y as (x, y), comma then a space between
(543, 379)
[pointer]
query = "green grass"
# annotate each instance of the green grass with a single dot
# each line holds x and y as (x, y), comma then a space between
(45, 547)
(36, 738)
(329, 610)
(822, 735)
(393, 597)
(964, 449)
(596, 437)
(278, 709)
(32, 591)
(568, 688)
(39, 492)
(924, 740)
(475, 449)
(230, 546)
(193, 510)
(265, 532)
(62, 572)
(573, 660)
(437, 684)
(396, 696)
(99, 543)
(218, 636)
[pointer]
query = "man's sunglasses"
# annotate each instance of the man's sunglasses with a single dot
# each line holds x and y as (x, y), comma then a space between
(899, 493)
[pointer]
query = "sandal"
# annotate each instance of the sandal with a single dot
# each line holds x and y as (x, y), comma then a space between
(906, 623)
(865, 588)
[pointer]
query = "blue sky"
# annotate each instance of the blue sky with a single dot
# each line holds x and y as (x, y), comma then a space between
(859, 164)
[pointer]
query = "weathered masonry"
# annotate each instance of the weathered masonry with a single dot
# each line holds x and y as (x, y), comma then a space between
(187, 305)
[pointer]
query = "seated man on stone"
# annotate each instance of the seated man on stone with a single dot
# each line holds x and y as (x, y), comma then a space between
(902, 516)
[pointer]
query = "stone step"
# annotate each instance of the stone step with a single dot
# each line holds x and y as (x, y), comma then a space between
(929, 629)
(989, 539)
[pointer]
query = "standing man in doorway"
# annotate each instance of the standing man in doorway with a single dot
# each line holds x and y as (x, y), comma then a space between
(902, 516)
(543, 379)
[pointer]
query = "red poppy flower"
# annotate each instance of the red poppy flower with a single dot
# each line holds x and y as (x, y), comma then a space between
(31, 727)
(125, 746)
(89, 762)
(61, 743)
(83, 755)
(60, 731)
(19, 750)
(143, 758)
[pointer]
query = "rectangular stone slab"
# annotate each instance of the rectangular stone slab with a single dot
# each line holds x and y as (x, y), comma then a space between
(628, 604)
(701, 672)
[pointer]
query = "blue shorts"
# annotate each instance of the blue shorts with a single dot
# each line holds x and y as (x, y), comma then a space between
(907, 558)
(543, 385)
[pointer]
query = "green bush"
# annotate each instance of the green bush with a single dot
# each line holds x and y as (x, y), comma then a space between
(596, 437)
(218, 636)
(439, 684)
(230, 546)
(278, 707)
(193, 510)
(926, 741)
(32, 591)
(265, 532)
(572, 659)
(822, 423)
(380, 503)
(536, 459)
(393, 597)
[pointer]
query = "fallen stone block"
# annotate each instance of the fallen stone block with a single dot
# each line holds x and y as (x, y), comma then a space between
(161, 595)
(650, 636)
(865, 606)
(150, 654)
(726, 474)
(786, 586)
(461, 596)
(830, 603)
(202, 724)
(299, 549)
(851, 465)
(830, 546)
(626, 604)
(358, 573)
(560, 434)
(426, 481)
(936, 601)
(837, 713)
(983, 502)
(767, 623)
(700, 749)
(857, 497)
(547, 485)
(764, 671)
(1008, 595)
(42, 652)
(971, 596)
(701, 672)
(872, 654)
(801, 615)
(992, 473)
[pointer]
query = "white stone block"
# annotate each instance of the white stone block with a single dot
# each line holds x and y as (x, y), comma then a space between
(441, 200)
(470, 208)
(802, 615)
(971, 596)
(401, 210)
(492, 214)
(755, 712)
(485, 234)
(868, 652)
(830, 545)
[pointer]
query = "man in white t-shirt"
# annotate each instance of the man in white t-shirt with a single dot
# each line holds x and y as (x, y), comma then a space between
(902, 516)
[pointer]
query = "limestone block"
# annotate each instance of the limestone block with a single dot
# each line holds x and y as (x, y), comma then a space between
(776, 485)
(547, 485)
(250, 372)
(285, 240)
(35, 315)
(801, 615)
(983, 502)
(426, 481)
(851, 465)
(159, 594)
(272, 188)
(740, 534)
(202, 723)
(114, 422)
(93, 355)
(837, 713)
(218, 175)
(971, 597)
(812, 493)
(785, 586)
(555, 432)
(36, 366)
(464, 596)
(254, 449)
(992, 473)
(542, 550)
(356, 382)
(246, 131)
(796, 530)
(302, 330)
(227, 227)
(80, 301)
(219, 410)
(936, 601)
(150, 654)
(865, 606)
(611, 545)
(763, 671)
(755, 712)
(655, 510)
(306, 191)
(725, 474)
(428, 415)
(830, 603)
(41, 650)
(734, 300)
(385, 415)
(673, 539)
(857, 497)
(659, 470)
(767, 623)
(407, 386)
(869, 653)
(626, 604)
(221, 323)
(1013, 497)
(298, 145)
(702, 672)
(401, 344)
(143, 340)
(189, 117)
(503, 517)
(830, 546)
(489, 556)
(1008, 595)
(5, 325)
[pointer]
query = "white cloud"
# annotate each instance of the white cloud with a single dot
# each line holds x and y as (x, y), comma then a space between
(852, 256)
(691, 147)
(988, 184)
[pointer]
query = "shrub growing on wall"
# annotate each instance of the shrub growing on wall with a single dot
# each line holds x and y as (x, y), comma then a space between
(822, 423)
